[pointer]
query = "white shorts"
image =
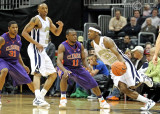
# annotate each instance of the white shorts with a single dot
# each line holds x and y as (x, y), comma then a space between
(40, 61)
(130, 78)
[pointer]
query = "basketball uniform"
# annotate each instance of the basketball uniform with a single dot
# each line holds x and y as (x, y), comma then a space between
(131, 77)
(9, 58)
(40, 61)
(72, 62)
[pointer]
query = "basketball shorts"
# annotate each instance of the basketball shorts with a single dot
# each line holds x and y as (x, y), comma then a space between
(80, 76)
(130, 78)
(16, 71)
(40, 61)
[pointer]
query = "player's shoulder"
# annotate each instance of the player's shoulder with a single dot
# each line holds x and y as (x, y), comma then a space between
(107, 39)
(35, 19)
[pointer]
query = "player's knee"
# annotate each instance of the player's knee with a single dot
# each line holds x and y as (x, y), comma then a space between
(64, 78)
(54, 75)
(4, 71)
(37, 74)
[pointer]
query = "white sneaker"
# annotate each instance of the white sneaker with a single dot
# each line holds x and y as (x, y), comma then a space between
(104, 104)
(148, 105)
(0, 103)
(63, 102)
(91, 97)
(40, 102)
(148, 81)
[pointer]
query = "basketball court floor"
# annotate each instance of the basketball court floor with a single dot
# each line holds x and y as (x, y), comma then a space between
(22, 104)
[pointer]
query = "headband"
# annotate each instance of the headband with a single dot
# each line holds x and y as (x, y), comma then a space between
(94, 29)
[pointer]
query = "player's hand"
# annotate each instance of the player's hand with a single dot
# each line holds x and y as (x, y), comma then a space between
(27, 69)
(89, 69)
(39, 47)
(66, 73)
(155, 60)
(60, 23)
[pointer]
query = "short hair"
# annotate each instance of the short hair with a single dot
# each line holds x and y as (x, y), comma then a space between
(148, 43)
(11, 22)
(155, 10)
(118, 11)
(40, 4)
(69, 30)
(136, 10)
(96, 27)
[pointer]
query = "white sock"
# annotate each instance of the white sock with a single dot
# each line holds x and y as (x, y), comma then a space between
(63, 95)
(43, 92)
(100, 99)
(37, 93)
(142, 99)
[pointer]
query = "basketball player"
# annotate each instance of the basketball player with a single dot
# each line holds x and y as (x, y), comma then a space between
(70, 57)
(107, 51)
(41, 64)
(10, 58)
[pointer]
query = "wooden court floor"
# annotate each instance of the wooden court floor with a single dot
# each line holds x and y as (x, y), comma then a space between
(22, 104)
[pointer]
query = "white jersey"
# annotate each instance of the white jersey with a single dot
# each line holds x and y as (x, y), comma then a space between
(41, 35)
(131, 77)
(40, 61)
(104, 54)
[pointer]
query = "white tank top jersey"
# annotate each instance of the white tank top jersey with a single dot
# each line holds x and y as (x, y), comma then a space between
(104, 54)
(42, 35)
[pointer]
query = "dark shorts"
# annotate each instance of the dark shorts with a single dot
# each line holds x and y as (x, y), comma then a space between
(80, 76)
(16, 71)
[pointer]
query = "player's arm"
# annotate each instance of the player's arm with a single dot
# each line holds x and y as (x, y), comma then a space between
(111, 45)
(56, 31)
(22, 63)
(155, 57)
(83, 57)
(2, 42)
(61, 50)
(27, 29)
(92, 45)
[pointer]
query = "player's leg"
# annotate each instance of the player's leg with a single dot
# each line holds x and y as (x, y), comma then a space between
(85, 80)
(97, 92)
(134, 95)
(31, 87)
(3, 75)
(38, 101)
(63, 88)
(48, 83)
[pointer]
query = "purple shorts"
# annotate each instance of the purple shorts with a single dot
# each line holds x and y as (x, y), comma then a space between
(16, 71)
(80, 76)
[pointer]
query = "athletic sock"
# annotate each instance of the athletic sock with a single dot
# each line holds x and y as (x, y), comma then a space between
(63, 94)
(43, 92)
(38, 93)
(100, 98)
(142, 99)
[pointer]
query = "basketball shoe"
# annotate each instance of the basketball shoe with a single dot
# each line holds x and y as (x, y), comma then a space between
(63, 102)
(104, 104)
(40, 102)
(148, 105)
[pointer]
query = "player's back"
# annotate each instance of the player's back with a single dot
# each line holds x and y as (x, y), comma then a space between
(11, 49)
(72, 55)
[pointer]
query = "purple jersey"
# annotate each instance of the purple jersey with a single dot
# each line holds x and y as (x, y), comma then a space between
(11, 49)
(72, 55)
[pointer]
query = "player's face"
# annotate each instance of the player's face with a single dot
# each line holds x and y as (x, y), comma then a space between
(43, 9)
(13, 29)
(72, 36)
(91, 34)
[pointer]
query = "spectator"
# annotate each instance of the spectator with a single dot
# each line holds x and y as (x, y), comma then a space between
(138, 17)
(154, 72)
(100, 73)
(147, 10)
(148, 46)
(155, 19)
(140, 62)
(116, 24)
(127, 43)
(128, 53)
(132, 28)
(148, 28)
